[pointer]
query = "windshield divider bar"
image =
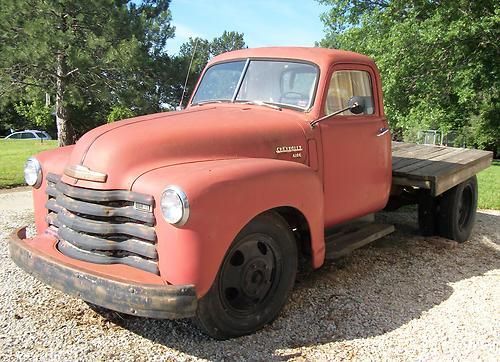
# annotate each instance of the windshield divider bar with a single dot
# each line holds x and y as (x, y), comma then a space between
(240, 81)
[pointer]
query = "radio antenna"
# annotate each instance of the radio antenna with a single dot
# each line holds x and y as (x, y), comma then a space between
(187, 75)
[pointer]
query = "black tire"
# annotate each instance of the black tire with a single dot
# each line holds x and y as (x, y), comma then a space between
(457, 212)
(253, 282)
(428, 215)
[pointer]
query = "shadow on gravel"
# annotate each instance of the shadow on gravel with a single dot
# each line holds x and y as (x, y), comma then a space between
(376, 290)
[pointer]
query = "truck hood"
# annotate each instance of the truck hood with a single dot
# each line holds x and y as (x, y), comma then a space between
(127, 149)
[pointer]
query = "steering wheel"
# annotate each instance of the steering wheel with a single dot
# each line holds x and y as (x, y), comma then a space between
(293, 95)
(293, 98)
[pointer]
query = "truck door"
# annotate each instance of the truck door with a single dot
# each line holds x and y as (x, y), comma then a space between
(356, 148)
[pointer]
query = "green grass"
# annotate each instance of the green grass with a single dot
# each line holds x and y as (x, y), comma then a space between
(13, 154)
(489, 187)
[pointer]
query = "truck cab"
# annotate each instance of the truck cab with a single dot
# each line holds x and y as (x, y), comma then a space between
(204, 212)
(350, 152)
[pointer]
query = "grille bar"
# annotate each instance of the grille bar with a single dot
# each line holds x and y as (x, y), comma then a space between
(89, 243)
(102, 226)
(51, 190)
(104, 211)
(52, 205)
(53, 178)
(134, 261)
(105, 228)
(103, 195)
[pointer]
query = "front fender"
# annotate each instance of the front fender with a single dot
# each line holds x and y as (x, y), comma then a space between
(224, 196)
(52, 161)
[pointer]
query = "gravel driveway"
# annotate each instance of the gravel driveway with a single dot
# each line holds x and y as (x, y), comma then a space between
(404, 297)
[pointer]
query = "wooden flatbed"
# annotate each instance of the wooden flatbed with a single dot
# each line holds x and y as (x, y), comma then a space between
(436, 168)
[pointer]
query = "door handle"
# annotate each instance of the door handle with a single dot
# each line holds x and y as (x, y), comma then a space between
(382, 131)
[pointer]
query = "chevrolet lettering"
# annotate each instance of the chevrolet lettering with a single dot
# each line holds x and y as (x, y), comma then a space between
(288, 149)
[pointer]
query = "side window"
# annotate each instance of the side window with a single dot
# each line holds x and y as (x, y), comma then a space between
(345, 84)
(27, 135)
(15, 136)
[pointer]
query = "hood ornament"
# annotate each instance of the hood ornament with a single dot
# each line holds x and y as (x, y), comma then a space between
(84, 173)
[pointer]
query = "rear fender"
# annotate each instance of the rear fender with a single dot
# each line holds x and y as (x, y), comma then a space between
(224, 196)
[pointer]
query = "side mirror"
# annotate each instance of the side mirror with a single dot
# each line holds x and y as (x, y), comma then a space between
(356, 105)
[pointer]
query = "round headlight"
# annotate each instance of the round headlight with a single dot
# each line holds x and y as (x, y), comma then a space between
(33, 172)
(174, 205)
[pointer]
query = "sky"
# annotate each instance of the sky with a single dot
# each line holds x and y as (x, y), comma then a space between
(263, 23)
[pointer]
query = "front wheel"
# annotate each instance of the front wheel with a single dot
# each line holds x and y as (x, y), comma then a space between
(253, 282)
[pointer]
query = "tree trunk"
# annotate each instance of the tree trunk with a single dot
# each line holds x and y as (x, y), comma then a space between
(64, 128)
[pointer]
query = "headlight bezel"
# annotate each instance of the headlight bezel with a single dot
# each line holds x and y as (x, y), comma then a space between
(181, 195)
(38, 172)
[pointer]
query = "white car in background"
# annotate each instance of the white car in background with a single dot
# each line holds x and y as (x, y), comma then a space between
(31, 134)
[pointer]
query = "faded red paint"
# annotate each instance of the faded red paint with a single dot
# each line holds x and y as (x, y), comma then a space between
(224, 157)
(53, 161)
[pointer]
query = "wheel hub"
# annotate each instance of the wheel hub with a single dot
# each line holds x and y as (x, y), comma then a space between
(256, 279)
(248, 274)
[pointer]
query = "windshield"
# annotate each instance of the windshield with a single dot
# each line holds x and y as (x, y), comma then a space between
(283, 83)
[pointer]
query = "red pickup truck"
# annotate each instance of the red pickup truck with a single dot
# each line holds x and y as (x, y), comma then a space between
(281, 153)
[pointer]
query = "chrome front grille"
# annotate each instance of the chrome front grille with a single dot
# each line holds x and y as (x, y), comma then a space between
(103, 226)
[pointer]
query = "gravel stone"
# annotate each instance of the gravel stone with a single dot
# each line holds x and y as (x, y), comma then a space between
(404, 297)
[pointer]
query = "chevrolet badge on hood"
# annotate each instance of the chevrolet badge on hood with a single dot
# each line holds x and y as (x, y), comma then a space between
(288, 149)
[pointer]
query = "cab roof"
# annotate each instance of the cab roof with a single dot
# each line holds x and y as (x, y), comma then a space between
(319, 56)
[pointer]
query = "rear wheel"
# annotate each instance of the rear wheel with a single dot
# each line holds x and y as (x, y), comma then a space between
(457, 212)
(428, 213)
(253, 282)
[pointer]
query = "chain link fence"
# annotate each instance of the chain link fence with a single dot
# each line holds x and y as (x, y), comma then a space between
(436, 137)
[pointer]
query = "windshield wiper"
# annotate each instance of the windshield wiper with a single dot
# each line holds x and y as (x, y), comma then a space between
(261, 103)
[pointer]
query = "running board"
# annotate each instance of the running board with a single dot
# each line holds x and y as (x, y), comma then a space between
(351, 237)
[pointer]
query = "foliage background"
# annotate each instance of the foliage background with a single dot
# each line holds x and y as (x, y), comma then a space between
(439, 61)
(96, 61)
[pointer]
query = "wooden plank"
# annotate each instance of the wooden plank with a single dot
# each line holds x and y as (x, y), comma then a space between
(433, 160)
(398, 146)
(341, 244)
(470, 157)
(412, 151)
(444, 181)
(422, 156)
(456, 160)
(409, 148)
(414, 154)
(401, 147)
(407, 181)
(421, 152)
